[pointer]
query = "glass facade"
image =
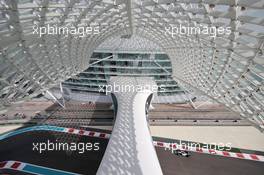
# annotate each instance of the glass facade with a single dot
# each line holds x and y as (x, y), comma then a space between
(147, 65)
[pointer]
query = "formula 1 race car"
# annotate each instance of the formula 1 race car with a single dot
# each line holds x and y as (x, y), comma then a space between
(183, 153)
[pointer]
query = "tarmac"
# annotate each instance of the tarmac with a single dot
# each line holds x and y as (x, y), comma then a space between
(20, 148)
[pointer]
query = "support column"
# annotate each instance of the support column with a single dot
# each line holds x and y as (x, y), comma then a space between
(130, 150)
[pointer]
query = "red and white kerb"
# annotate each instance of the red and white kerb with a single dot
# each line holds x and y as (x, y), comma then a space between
(210, 151)
(14, 165)
(87, 133)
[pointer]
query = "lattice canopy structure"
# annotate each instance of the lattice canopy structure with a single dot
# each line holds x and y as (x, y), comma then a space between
(228, 66)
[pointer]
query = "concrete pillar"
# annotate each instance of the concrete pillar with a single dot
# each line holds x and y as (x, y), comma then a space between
(130, 150)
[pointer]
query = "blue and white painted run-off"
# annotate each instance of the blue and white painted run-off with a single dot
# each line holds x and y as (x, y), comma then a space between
(32, 169)
(55, 129)
(32, 128)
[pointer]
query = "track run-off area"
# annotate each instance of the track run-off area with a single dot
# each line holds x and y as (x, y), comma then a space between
(165, 145)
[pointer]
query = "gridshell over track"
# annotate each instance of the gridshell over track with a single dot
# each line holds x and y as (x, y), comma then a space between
(226, 68)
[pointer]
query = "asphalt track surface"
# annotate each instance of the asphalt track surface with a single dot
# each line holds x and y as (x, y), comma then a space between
(20, 148)
(204, 164)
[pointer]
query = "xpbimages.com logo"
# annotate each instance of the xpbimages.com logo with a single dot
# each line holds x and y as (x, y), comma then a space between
(130, 88)
(60, 146)
(200, 146)
(212, 31)
(79, 31)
